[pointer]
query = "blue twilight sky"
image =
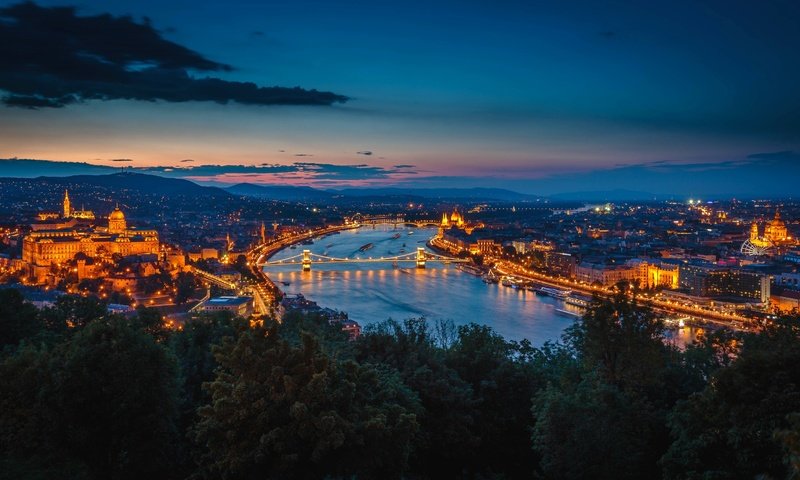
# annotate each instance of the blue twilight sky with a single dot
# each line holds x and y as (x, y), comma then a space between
(496, 93)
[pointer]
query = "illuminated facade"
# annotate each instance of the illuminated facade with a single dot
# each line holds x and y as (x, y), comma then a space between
(46, 247)
(454, 220)
(775, 232)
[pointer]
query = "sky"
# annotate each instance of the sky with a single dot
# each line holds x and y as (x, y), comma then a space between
(541, 97)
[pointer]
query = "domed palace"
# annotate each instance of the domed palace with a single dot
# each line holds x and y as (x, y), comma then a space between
(775, 232)
(52, 243)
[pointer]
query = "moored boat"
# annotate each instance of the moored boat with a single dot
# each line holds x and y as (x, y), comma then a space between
(553, 292)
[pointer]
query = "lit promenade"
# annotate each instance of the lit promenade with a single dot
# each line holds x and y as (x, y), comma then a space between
(506, 267)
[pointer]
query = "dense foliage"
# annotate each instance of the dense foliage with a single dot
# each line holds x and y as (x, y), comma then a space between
(89, 395)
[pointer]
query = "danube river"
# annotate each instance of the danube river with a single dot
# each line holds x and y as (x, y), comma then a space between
(373, 292)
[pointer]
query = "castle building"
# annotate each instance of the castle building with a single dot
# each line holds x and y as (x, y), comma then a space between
(58, 242)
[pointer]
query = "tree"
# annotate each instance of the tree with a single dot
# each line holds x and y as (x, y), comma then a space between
(18, 318)
(283, 410)
(192, 347)
(621, 339)
(113, 394)
(728, 430)
(185, 284)
(73, 311)
(503, 387)
(596, 431)
(448, 439)
(607, 418)
(151, 322)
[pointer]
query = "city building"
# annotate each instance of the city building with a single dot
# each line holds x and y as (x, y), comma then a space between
(560, 264)
(241, 306)
(520, 246)
(708, 280)
(606, 275)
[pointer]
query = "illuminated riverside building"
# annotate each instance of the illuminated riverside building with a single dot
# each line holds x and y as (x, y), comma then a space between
(53, 243)
(708, 280)
(454, 220)
(649, 275)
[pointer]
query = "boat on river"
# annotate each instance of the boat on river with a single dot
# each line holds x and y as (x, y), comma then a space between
(395, 236)
(471, 269)
(553, 292)
(576, 301)
(364, 248)
(568, 313)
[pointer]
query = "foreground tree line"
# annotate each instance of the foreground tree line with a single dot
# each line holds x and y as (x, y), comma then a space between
(88, 395)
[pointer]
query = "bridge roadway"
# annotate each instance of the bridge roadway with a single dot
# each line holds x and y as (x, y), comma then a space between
(420, 257)
(400, 220)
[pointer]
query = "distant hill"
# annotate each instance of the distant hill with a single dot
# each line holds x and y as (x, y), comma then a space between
(299, 194)
(138, 182)
(477, 194)
(21, 168)
(285, 193)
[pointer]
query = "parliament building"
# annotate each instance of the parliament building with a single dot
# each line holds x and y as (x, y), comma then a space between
(52, 242)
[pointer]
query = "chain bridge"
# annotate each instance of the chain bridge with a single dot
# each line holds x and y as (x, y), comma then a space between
(420, 258)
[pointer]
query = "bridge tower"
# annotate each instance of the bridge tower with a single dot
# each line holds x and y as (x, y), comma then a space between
(420, 257)
(306, 260)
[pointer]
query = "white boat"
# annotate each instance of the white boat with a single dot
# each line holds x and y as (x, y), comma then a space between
(567, 312)
(553, 292)
(576, 302)
(471, 269)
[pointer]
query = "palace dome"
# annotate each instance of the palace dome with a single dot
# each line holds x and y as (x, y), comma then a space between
(117, 215)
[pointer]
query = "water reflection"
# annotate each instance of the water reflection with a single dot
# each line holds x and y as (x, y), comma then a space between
(372, 292)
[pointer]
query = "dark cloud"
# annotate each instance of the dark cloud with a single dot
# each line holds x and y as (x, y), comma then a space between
(404, 166)
(303, 155)
(121, 160)
(187, 160)
(364, 152)
(51, 57)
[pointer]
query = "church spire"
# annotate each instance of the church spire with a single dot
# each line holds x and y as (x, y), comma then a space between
(67, 207)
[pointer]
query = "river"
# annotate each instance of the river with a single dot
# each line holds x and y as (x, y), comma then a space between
(373, 292)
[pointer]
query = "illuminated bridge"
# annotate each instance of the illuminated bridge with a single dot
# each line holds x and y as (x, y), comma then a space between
(211, 278)
(395, 220)
(420, 258)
